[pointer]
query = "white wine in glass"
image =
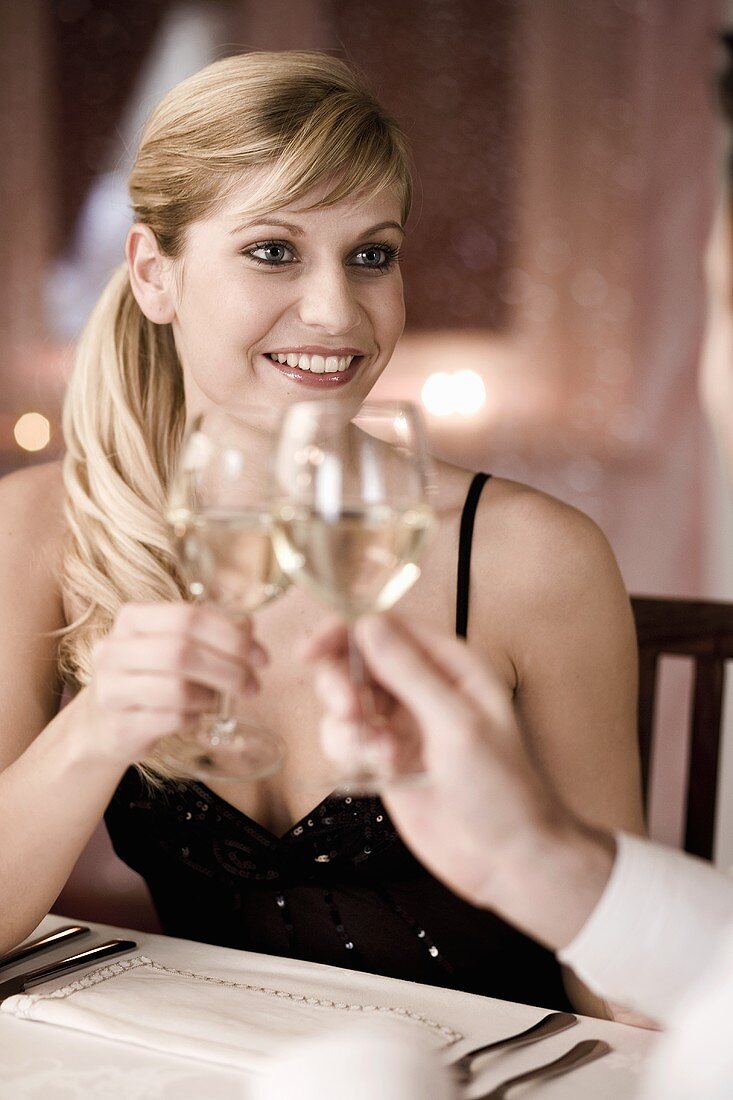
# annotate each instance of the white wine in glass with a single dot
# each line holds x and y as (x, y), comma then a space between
(361, 562)
(220, 515)
(352, 518)
(228, 556)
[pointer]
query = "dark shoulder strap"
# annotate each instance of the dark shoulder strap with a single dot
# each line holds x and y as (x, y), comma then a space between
(464, 552)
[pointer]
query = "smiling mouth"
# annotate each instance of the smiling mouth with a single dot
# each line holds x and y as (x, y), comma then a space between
(313, 364)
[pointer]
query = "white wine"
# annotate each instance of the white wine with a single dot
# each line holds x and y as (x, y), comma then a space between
(228, 557)
(363, 560)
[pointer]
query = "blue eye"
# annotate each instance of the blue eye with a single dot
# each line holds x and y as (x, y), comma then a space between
(272, 253)
(376, 257)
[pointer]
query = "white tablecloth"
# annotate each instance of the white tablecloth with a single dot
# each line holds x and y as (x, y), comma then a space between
(43, 1062)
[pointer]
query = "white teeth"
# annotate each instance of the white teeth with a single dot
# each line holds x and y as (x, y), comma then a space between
(316, 364)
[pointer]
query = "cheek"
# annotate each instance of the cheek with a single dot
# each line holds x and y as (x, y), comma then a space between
(392, 316)
(212, 315)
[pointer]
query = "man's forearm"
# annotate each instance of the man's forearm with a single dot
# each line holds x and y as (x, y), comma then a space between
(637, 922)
(551, 879)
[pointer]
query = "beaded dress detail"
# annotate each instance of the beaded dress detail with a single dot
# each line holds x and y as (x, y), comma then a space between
(339, 887)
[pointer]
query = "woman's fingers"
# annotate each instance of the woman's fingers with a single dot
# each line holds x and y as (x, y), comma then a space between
(181, 656)
(156, 692)
(197, 621)
(161, 666)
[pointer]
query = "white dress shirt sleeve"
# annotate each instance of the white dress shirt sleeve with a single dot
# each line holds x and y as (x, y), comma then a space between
(659, 922)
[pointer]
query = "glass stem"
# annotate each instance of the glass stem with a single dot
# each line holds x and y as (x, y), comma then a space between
(225, 720)
(360, 680)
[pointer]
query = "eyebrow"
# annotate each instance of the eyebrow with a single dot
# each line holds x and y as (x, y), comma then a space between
(297, 231)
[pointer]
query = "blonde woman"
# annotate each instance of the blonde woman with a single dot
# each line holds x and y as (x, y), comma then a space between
(270, 195)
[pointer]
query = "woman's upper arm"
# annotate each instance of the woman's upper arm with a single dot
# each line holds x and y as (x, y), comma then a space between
(31, 528)
(573, 644)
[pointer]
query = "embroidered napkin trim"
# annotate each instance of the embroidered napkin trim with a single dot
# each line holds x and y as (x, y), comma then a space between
(25, 1002)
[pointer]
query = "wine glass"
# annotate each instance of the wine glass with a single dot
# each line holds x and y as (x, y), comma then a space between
(219, 509)
(351, 518)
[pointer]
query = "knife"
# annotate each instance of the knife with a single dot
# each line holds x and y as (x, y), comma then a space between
(43, 943)
(21, 982)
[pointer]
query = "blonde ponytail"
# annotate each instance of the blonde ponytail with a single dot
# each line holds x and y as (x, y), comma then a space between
(122, 421)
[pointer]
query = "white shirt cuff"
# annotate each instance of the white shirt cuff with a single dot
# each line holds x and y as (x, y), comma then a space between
(657, 925)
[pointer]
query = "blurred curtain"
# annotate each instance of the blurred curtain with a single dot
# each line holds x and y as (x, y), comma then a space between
(618, 178)
(26, 191)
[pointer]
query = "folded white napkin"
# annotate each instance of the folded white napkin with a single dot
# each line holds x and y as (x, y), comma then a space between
(220, 1019)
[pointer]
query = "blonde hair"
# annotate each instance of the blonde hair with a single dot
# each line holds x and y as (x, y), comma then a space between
(307, 117)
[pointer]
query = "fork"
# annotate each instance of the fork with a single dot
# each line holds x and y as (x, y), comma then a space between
(551, 1024)
(580, 1055)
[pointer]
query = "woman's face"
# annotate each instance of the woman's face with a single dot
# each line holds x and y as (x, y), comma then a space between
(289, 305)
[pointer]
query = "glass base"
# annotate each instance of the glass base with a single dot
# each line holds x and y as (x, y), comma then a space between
(236, 752)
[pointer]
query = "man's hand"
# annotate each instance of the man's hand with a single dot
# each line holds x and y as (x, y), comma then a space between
(487, 822)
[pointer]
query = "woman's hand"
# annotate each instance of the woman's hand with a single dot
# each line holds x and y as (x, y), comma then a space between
(161, 666)
(487, 822)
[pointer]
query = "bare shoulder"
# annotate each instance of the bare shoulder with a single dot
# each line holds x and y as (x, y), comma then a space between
(32, 522)
(518, 524)
(556, 544)
(450, 487)
(540, 568)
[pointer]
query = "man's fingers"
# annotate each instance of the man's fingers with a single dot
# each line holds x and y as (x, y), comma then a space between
(391, 756)
(409, 674)
(464, 669)
(331, 640)
(404, 657)
(341, 697)
(336, 692)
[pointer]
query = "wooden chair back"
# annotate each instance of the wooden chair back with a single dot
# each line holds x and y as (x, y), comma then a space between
(702, 630)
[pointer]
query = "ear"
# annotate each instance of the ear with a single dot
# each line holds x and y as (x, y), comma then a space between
(150, 276)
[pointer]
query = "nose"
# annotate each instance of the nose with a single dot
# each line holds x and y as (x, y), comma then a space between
(328, 302)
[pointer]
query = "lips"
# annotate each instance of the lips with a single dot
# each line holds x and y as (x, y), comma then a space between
(316, 367)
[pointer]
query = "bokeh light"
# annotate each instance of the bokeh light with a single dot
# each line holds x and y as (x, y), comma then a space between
(436, 394)
(444, 394)
(469, 392)
(32, 431)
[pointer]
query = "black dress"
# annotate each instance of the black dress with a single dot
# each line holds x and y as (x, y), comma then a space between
(340, 887)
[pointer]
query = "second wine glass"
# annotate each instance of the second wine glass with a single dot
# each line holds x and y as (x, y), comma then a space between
(352, 515)
(219, 511)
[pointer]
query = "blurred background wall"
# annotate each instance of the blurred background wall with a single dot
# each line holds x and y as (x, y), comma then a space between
(567, 159)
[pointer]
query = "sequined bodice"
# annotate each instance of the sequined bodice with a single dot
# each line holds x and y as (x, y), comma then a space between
(339, 887)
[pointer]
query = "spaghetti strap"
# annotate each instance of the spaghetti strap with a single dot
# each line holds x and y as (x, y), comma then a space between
(464, 552)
